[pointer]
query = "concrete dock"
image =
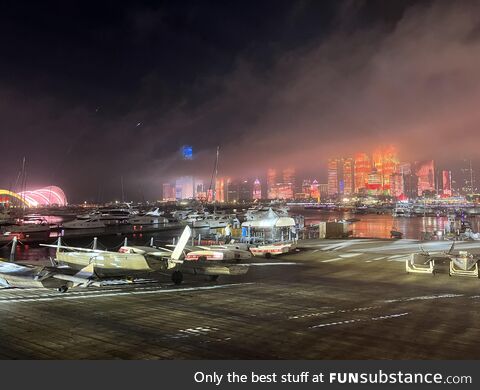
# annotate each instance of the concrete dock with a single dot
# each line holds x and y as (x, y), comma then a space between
(334, 299)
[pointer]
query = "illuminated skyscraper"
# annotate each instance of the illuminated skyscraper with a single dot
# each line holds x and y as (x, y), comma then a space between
(348, 183)
(289, 183)
(425, 172)
(374, 185)
(385, 161)
(396, 185)
(333, 177)
(168, 192)
(271, 184)
(257, 190)
(405, 168)
(306, 186)
(363, 167)
(221, 190)
(315, 191)
(185, 187)
(447, 183)
(340, 176)
(466, 182)
(323, 189)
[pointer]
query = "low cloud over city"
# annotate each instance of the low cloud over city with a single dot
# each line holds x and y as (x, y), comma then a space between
(120, 100)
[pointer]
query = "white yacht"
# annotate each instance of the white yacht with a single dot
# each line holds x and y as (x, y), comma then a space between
(27, 228)
(180, 215)
(212, 221)
(92, 223)
(28, 224)
(195, 217)
(155, 213)
(89, 215)
(402, 210)
(147, 220)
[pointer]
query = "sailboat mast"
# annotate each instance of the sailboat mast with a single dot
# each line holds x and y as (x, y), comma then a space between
(215, 181)
(471, 178)
(23, 184)
(123, 192)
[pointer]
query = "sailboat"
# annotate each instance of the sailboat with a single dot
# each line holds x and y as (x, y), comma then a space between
(215, 220)
(23, 224)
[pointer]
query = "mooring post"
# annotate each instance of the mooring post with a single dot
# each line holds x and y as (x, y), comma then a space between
(14, 248)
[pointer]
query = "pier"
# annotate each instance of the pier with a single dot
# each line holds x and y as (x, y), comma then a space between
(333, 299)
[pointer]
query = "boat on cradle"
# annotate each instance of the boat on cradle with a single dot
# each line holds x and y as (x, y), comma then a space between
(269, 250)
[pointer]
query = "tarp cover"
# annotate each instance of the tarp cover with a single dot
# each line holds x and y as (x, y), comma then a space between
(270, 223)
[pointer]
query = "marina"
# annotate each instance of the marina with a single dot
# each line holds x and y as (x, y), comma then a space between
(296, 295)
(334, 299)
(266, 180)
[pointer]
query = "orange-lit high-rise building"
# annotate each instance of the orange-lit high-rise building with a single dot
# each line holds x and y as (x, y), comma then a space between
(386, 162)
(257, 190)
(425, 172)
(362, 169)
(271, 183)
(447, 183)
(315, 190)
(340, 176)
(221, 189)
(374, 185)
(348, 182)
(333, 176)
(289, 182)
(396, 185)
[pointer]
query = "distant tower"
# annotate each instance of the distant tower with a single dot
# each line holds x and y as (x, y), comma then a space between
(348, 183)
(333, 177)
(221, 188)
(385, 161)
(288, 183)
(257, 190)
(425, 171)
(315, 191)
(362, 169)
(168, 192)
(271, 183)
(447, 183)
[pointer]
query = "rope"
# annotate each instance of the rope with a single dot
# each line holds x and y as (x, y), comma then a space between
(115, 247)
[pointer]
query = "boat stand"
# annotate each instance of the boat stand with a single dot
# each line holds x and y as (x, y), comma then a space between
(411, 267)
(454, 271)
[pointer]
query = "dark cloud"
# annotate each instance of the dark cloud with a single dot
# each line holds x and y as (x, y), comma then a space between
(114, 91)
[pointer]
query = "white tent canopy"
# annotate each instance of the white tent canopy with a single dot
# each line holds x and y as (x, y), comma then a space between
(270, 223)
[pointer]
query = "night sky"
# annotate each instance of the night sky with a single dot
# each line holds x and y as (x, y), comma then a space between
(94, 91)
